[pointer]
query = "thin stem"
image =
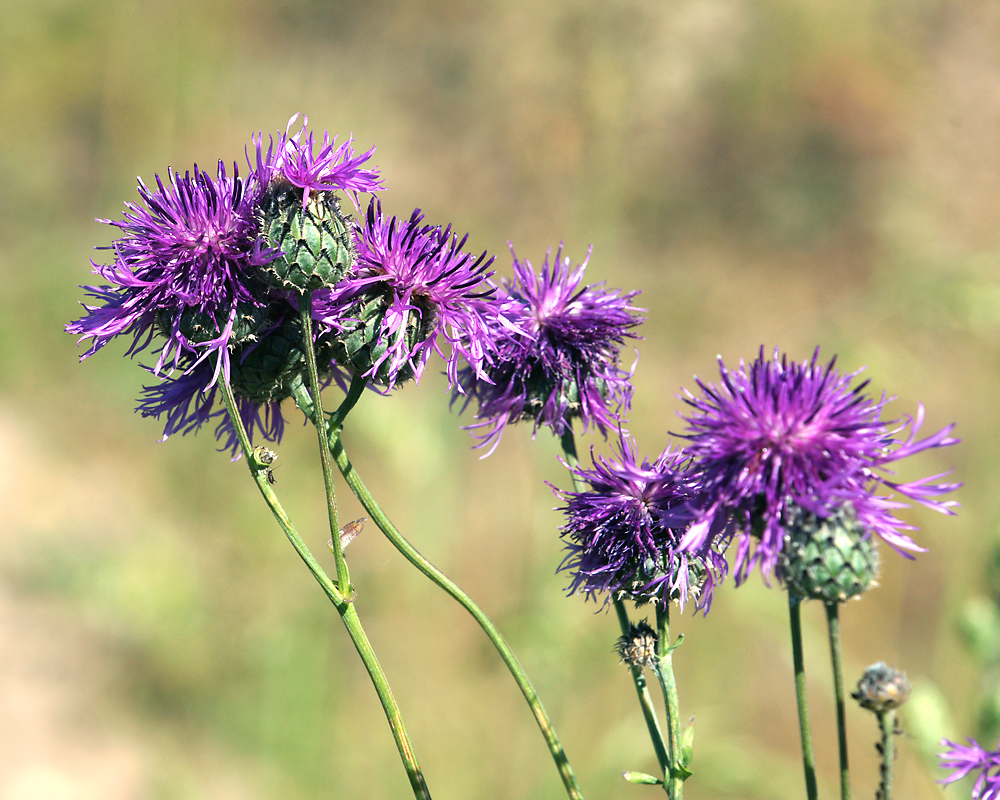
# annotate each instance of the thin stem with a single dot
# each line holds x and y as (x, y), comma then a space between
(319, 419)
(346, 609)
(808, 759)
(833, 628)
(428, 569)
(645, 700)
(887, 723)
(665, 674)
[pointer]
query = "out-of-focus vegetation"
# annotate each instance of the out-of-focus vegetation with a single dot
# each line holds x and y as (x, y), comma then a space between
(782, 172)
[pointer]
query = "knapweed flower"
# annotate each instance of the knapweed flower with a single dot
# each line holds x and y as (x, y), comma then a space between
(413, 286)
(964, 759)
(300, 213)
(775, 437)
(183, 270)
(557, 344)
(623, 534)
(295, 161)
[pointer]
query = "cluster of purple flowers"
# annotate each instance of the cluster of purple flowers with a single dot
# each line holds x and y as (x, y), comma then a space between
(191, 275)
(772, 439)
(188, 277)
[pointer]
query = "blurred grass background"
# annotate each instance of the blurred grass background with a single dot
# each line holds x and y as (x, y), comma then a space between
(781, 172)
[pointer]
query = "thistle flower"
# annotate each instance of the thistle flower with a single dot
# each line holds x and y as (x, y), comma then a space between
(964, 759)
(294, 160)
(776, 436)
(183, 269)
(413, 285)
(557, 344)
(623, 534)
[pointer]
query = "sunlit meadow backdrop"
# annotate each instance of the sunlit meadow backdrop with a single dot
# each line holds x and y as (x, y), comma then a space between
(777, 172)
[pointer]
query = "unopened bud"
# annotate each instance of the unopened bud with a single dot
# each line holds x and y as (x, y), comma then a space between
(882, 688)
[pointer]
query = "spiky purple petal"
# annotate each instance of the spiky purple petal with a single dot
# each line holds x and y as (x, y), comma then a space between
(964, 759)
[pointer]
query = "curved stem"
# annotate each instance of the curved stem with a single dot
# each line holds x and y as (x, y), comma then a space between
(348, 613)
(319, 420)
(427, 568)
(833, 629)
(645, 700)
(808, 759)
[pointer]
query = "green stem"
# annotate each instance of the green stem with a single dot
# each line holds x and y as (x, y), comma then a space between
(808, 759)
(887, 723)
(319, 419)
(346, 609)
(833, 628)
(645, 700)
(428, 569)
(665, 674)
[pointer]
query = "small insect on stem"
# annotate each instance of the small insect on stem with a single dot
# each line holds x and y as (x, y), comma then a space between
(349, 533)
(264, 459)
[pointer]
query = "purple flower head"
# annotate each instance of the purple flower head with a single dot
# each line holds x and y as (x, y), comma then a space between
(964, 759)
(557, 345)
(623, 534)
(294, 158)
(187, 405)
(777, 435)
(423, 288)
(181, 269)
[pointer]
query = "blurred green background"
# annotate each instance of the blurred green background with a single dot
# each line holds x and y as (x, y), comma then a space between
(782, 172)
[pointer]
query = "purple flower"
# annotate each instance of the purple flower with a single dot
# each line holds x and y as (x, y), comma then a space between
(187, 405)
(295, 159)
(963, 759)
(623, 534)
(181, 270)
(776, 435)
(415, 286)
(557, 344)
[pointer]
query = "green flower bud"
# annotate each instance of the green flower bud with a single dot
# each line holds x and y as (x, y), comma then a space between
(829, 559)
(317, 248)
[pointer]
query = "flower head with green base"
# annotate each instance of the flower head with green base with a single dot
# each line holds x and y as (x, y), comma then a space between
(776, 437)
(412, 288)
(965, 759)
(557, 345)
(623, 534)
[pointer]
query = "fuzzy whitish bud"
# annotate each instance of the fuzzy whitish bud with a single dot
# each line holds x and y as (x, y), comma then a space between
(637, 648)
(269, 370)
(830, 559)
(882, 688)
(315, 240)
(364, 340)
